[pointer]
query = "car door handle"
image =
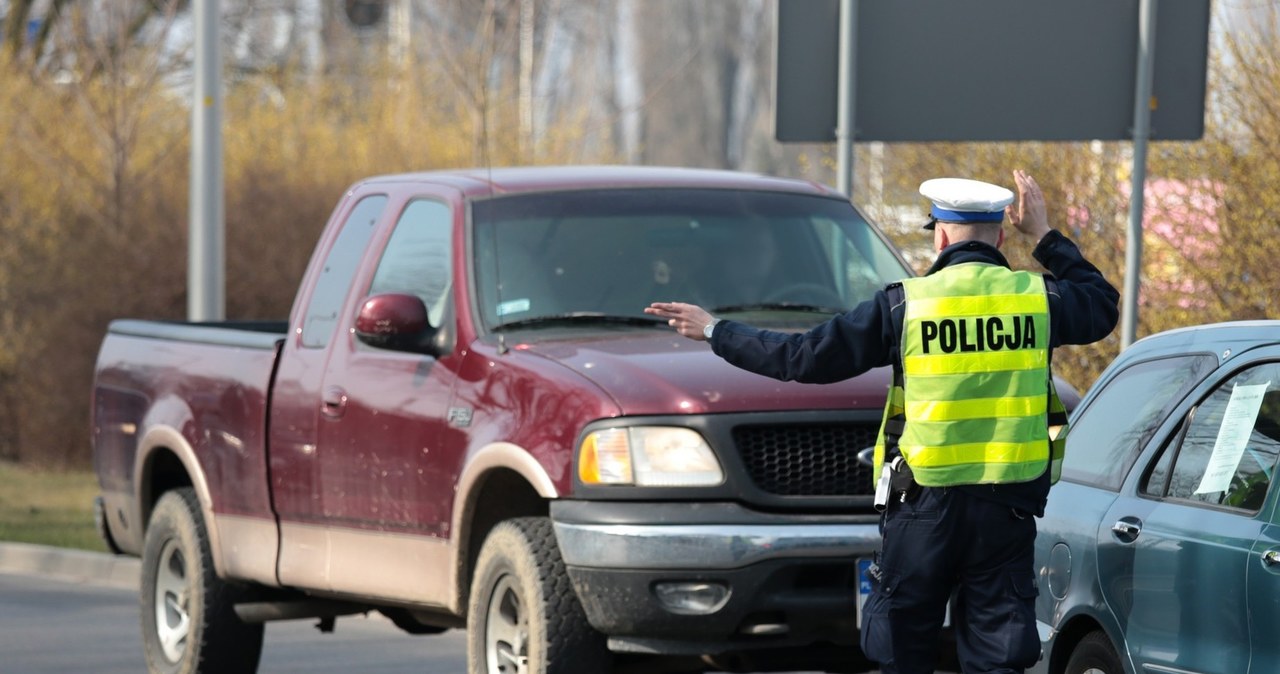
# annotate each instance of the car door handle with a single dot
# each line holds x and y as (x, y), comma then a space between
(334, 402)
(1270, 558)
(1126, 530)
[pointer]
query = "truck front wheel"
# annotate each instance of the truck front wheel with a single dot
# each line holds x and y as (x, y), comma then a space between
(523, 616)
(189, 623)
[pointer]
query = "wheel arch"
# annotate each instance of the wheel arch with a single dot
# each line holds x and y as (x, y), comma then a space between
(525, 489)
(1072, 632)
(166, 461)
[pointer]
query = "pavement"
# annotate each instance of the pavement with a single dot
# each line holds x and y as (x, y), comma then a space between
(66, 611)
(70, 565)
(54, 625)
(69, 611)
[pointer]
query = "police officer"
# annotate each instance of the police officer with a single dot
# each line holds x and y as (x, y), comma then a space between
(964, 444)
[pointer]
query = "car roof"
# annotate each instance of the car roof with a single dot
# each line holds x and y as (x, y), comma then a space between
(482, 183)
(1218, 338)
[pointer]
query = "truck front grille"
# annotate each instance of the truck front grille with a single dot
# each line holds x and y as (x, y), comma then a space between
(807, 459)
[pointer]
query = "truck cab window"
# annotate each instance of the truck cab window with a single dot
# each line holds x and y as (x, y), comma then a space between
(417, 257)
(859, 262)
(790, 261)
(340, 265)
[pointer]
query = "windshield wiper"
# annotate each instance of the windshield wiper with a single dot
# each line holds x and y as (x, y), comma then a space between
(776, 306)
(578, 318)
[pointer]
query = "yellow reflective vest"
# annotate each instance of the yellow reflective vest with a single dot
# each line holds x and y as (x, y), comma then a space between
(973, 399)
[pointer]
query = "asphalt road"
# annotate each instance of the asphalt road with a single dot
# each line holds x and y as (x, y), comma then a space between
(51, 626)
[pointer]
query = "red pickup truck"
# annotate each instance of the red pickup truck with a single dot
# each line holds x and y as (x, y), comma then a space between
(468, 421)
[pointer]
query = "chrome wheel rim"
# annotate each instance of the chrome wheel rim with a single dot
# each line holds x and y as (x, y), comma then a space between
(172, 601)
(1093, 670)
(506, 630)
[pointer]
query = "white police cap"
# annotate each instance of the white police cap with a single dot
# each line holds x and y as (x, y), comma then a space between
(962, 200)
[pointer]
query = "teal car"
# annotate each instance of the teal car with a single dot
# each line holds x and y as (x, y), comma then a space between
(1159, 551)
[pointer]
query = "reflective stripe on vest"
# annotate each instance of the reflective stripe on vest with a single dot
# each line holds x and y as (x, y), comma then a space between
(1058, 429)
(975, 388)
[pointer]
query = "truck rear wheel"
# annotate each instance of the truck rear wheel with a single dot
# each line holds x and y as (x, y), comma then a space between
(189, 623)
(523, 616)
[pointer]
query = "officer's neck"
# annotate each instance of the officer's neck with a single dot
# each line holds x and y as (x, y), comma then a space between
(972, 250)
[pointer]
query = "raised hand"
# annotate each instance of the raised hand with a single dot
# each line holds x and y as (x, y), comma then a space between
(1027, 215)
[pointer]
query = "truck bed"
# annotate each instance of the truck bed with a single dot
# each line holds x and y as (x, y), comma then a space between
(244, 334)
(212, 380)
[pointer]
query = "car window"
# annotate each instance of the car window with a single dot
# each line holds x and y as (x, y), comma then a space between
(1106, 437)
(340, 265)
(615, 251)
(1228, 454)
(1158, 475)
(860, 267)
(417, 258)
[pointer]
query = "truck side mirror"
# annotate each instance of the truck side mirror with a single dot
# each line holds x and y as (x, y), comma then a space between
(395, 321)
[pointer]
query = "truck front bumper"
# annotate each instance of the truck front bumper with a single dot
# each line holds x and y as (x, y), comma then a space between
(714, 578)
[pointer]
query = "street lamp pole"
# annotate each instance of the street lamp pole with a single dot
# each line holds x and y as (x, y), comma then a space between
(846, 96)
(206, 286)
(1142, 104)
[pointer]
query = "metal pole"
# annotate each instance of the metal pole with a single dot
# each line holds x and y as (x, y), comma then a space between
(1141, 134)
(845, 96)
(205, 247)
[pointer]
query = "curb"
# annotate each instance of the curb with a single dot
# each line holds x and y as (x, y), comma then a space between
(75, 565)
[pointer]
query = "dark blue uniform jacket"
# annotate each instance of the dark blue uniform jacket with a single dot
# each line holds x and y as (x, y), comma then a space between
(1083, 308)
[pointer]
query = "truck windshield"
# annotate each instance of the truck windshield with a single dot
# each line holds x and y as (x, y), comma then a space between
(785, 258)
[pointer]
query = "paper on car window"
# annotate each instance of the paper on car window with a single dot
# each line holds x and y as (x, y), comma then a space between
(1233, 435)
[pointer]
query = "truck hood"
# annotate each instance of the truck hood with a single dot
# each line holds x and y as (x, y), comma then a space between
(651, 373)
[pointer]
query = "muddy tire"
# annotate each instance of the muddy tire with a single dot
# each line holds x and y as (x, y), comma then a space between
(189, 623)
(523, 616)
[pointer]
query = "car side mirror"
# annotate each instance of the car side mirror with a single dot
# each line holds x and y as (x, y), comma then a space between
(395, 321)
(867, 457)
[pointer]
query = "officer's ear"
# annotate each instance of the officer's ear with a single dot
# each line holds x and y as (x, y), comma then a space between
(940, 239)
(1000, 238)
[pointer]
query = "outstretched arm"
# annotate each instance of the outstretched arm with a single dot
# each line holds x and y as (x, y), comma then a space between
(843, 347)
(689, 320)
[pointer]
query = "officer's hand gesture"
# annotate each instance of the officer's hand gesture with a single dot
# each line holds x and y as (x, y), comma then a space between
(688, 319)
(1028, 214)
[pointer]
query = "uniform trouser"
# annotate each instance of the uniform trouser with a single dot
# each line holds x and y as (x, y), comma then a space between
(944, 540)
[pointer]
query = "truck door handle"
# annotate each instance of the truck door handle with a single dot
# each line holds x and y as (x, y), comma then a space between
(1270, 558)
(334, 402)
(1126, 530)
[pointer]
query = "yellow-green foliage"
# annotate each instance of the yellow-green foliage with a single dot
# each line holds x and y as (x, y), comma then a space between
(93, 205)
(1235, 272)
(1210, 248)
(94, 171)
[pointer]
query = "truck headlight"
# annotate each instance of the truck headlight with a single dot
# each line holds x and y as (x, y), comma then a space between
(648, 456)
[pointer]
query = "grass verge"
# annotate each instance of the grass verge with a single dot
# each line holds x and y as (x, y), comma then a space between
(49, 508)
